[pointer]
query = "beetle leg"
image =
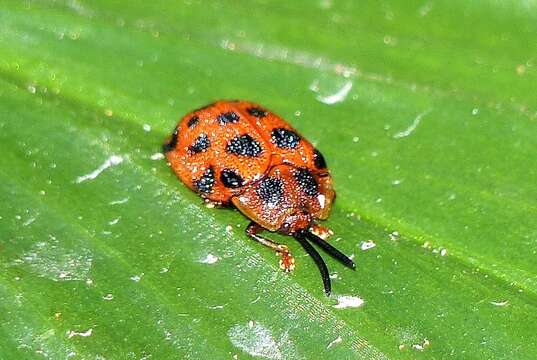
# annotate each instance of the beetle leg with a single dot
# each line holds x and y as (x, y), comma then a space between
(287, 261)
(321, 231)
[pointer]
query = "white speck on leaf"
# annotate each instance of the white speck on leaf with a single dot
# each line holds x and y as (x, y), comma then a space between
(389, 40)
(346, 301)
(111, 161)
(119, 202)
(72, 333)
(394, 235)
(137, 278)
(500, 303)
(108, 297)
(114, 222)
(366, 245)
(209, 259)
(147, 127)
(157, 156)
(422, 346)
(29, 221)
(334, 342)
(337, 97)
(412, 126)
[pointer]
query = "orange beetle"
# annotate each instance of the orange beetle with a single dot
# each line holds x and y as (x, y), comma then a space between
(238, 153)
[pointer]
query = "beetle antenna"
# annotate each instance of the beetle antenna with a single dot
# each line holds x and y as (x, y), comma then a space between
(318, 261)
(332, 251)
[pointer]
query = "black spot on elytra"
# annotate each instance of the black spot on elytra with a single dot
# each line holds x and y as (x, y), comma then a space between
(285, 139)
(231, 179)
(206, 182)
(193, 121)
(257, 112)
(270, 190)
(306, 181)
(244, 145)
(228, 117)
(201, 144)
(170, 145)
(318, 160)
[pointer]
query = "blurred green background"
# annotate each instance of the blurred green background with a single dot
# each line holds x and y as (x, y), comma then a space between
(425, 111)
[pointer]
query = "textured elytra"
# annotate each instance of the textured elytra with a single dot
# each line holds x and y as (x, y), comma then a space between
(231, 179)
(257, 112)
(318, 159)
(194, 120)
(284, 138)
(228, 117)
(201, 144)
(206, 182)
(244, 145)
(306, 181)
(254, 160)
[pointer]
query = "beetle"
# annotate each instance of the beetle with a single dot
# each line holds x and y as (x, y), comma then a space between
(238, 153)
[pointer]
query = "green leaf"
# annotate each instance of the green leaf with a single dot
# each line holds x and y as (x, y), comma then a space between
(424, 110)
